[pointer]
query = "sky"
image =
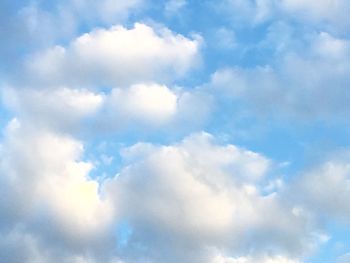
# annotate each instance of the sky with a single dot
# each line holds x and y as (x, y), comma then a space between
(143, 131)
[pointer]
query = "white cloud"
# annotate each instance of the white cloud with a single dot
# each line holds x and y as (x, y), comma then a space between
(197, 193)
(325, 190)
(333, 12)
(344, 258)
(325, 14)
(117, 56)
(173, 6)
(147, 103)
(193, 201)
(150, 106)
(202, 195)
(307, 84)
(62, 108)
(258, 259)
(48, 191)
(328, 46)
(63, 19)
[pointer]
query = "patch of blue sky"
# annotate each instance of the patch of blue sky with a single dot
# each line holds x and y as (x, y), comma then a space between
(123, 234)
(337, 245)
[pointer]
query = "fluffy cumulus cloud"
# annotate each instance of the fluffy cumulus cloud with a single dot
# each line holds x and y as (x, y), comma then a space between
(147, 106)
(154, 106)
(325, 189)
(117, 56)
(103, 154)
(58, 171)
(185, 200)
(181, 202)
(150, 103)
(32, 25)
(62, 108)
(48, 195)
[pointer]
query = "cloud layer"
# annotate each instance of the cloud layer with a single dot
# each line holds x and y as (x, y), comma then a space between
(123, 124)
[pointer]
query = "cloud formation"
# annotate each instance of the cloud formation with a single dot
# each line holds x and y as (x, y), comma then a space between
(306, 85)
(184, 199)
(48, 196)
(329, 14)
(116, 57)
(204, 196)
(104, 155)
(148, 103)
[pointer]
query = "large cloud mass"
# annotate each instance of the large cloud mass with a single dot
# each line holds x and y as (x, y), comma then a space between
(185, 199)
(103, 154)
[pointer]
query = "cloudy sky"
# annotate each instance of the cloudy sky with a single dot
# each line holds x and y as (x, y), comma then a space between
(175, 131)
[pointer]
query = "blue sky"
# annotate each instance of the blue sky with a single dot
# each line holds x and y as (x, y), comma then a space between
(175, 131)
